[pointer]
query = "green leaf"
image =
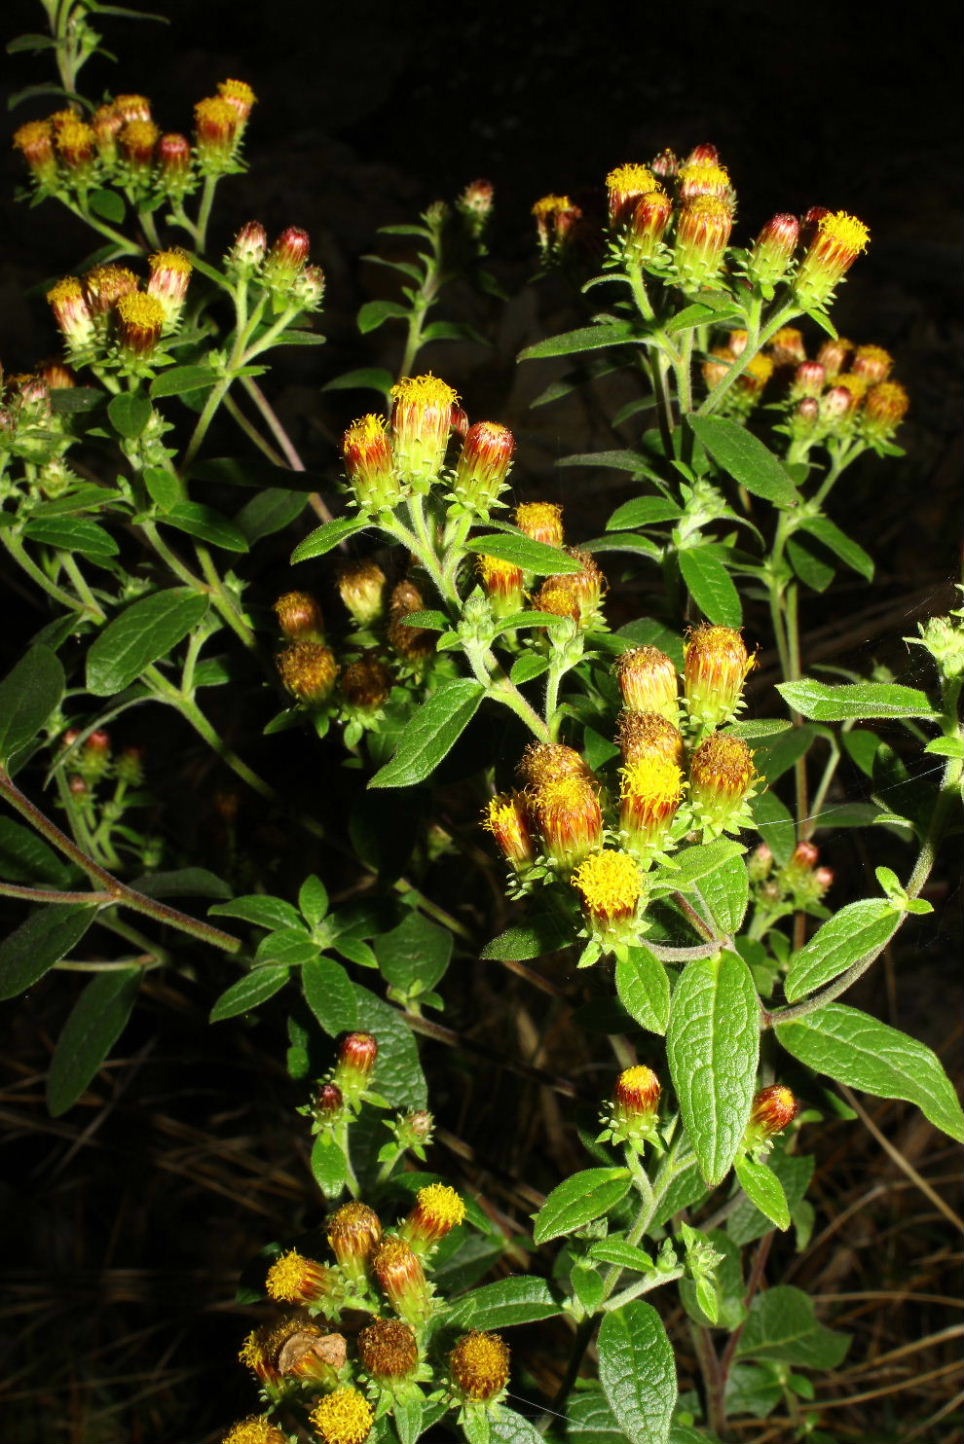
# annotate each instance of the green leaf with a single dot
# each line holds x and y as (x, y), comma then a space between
(375, 313)
(181, 379)
(72, 534)
(532, 556)
(711, 586)
(777, 754)
(398, 1073)
(642, 984)
(366, 378)
(842, 546)
(764, 1190)
(744, 457)
(330, 994)
(328, 1167)
(775, 823)
(694, 864)
(260, 909)
(41, 940)
(586, 338)
(582, 1197)
(107, 204)
(859, 700)
(287, 948)
(416, 952)
(432, 733)
(182, 882)
(324, 538)
(313, 902)
(527, 667)
(541, 935)
(643, 511)
(25, 857)
(590, 1419)
(637, 1372)
(863, 1053)
(858, 929)
(206, 523)
(523, 1299)
(269, 512)
(164, 488)
(96, 1021)
(143, 632)
(713, 1046)
(129, 413)
(248, 993)
(610, 461)
(28, 695)
(725, 890)
(810, 562)
(782, 1326)
(508, 1427)
(626, 1255)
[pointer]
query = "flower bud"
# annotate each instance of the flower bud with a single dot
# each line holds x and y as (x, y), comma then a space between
(361, 586)
(299, 617)
(885, 407)
(507, 818)
(295, 1279)
(168, 282)
(483, 466)
(665, 165)
(308, 671)
(105, 285)
(330, 1102)
(717, 664)
(240, 97)
(57, 375)
(703, 154)
(357, 1056)
(216, 130)
(369, 463)
(259, 1354)
(176, 177)
(702, 235)
(738, 341)
(504, 584)
(556, 218)
(787, 348)
(838, 241)
(648, 682)
(634, 1117)
(717, 366)
(76, 144)
(836, 405)
(286, 260)
(413, 644)
(651, 791)
(823, 877)
(140, 324)
(343, 1417)
(309, 288)
(705, 178)
(805, 855)
(474, 205)
(438, 1209)
(138, 141)
(132, 107)
(721, 776)
(645, 734)
(402, 1280)
(258, 1429)
(804, 417)
(773, 251)
(625, 186)
(833, 355)
(569, 818)
(366, 683)
(760, 863)
(479, 1366)
(540, 521)
(809, 380)
(549, 761)
(872, 363)
(774, 1109)
(35, 142)
(388, 1351)
(354, 1233)
(72, 313)
(611, 887)
(647, 225)
(421, 424)
(576, 595)
(249, 248)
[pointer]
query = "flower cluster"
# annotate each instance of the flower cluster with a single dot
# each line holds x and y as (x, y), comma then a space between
(680, 774)
(123, 145)
(107, 316)
(281, 270)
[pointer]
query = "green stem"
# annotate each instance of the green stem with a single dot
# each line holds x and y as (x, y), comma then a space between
(81, 587)
(756, 339)
(15, 547)
(52, 895)
(252, 432)
(222, 598)
(204, 211)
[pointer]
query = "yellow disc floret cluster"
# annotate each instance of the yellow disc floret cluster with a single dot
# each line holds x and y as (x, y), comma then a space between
(256, 1430)
(480, 1366)
(610, 884)
(343, 1417)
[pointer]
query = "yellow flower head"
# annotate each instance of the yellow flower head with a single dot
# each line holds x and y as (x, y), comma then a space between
(421, 426)
(504, 584)
(104, 286)
(239, 94)
(138, 141)
(544, 762)
(839, 240)
(722, 767)
(76, 142)
(438, 1209)
(873, 363)
(256, 1430)
(541, 521)
(885, 407)
(424, 392)
(648, 681)
(611, 886)
(717, 664)
(343, 1417)
(294, 1279)
(479, 1365)
(840, 229)
(704, 180)
(550, 205)
(506, 817)
(140, 321)
(653, 782)
(625, 185)
(757, 373)
(787, 347)
(353, 1233)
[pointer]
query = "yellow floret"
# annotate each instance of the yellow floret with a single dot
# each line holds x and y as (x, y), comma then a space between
(609, 882)
(427, 391)
(344, 1417)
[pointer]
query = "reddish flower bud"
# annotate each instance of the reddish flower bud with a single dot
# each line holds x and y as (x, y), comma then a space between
(138, 143)
(105, 285)
(370, 465)
(330, 1101)
(357, 1056)
(634, 1115)
(217, 129)
(549, 761)
(717, 664)
(838, 241)
(721, 776)
(647, 734)
(483, 466)
(809, 380)
(885, 407)
(556, 219)
(299, 617)
(421, 426)
(705, 178)
(774, 1109)
(648, 682)
(805, 855)
(366, 683)
(787, 347)
(35, 142)
(576, 595)
(57, 376)
(665, 165)
(647, 225)
(568, 815)
(507, 818)
(836, 404)
(413, 644)
(760, 863)
(702, 235)
(479, 1366)
(77, 147)
(240, 97)
(872, 363)
(703, 154)
(174, 156)
(354, 1232)
(625, 186)
(286, 260)
(402, 1280)
(250, 247)
(169, 279)
(474, 205)
(833, 355)
(773, 250)
(504, 584)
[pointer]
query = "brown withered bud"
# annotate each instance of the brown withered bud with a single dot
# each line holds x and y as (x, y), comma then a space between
(388, 1350)
(366, 683)
(308, 671)
(479, 1365)
(299, 617)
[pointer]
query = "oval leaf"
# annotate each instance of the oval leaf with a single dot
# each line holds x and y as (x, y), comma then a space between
(398, 1073)
(248, 993)
(72, 533)
(520, 1300)
(764, 1190)
(181, 379)
(97, 1020)
(858, 929)
(643, 987)
(637, 1372)
(28, 695)
(581, 1198)
(206, 523)
(416, 952)
(863, 1053)
(325, 538)
(330, 994)
(41, 940)
(143, 632)
(587, 338)
(713, 1045)
(854, 701)
(129, 413)
(432, 733)
(522, 551)
(744, 457)
(711, 586)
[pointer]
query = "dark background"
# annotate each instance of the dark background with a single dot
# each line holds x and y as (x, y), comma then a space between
(129, 1219)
